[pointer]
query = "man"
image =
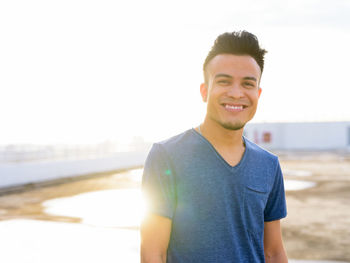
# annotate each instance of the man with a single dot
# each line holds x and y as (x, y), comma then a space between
(215, 196)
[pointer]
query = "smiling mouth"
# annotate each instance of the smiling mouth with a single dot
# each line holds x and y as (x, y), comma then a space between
(234, 108)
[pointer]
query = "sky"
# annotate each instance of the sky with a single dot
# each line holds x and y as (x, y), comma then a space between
(89, 71)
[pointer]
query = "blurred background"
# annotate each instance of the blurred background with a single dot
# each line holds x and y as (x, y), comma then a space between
(86, 87)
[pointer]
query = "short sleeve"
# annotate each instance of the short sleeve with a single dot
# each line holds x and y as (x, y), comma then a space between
(158, 183)
(276, 207)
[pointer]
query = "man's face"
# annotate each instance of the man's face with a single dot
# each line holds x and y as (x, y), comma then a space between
(231, 90)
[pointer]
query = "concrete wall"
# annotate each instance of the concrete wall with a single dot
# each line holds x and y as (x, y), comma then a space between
(18, 174)
(318, 136)
(301, 136)
(255, 132)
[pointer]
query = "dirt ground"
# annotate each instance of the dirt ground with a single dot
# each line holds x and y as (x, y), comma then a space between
(318, 221)
(317, 225)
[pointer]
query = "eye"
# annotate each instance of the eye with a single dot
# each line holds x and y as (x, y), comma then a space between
(249, 84)
(223, 82)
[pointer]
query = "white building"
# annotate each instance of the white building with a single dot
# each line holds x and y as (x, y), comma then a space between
(300, 135)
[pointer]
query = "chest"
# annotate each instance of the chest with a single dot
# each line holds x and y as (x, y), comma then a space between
(210, 188)
(232, 158)
(219, 198)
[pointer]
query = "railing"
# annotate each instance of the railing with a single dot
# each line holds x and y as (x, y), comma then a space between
(22, 153)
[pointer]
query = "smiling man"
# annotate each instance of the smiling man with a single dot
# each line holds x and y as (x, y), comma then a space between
(214, 196)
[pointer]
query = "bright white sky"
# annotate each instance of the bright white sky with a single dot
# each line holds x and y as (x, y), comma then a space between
(77, 71)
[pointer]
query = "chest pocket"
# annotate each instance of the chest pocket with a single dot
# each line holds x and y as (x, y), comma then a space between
(255, 199)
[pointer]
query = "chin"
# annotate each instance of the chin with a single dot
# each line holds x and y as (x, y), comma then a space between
(233, 126)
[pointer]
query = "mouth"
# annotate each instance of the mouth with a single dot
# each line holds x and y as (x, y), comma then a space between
(234, 107)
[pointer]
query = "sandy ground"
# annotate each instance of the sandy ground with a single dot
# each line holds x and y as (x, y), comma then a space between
(317, 226)
(318, 221)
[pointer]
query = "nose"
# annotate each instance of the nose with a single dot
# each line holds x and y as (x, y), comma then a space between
(235, 91)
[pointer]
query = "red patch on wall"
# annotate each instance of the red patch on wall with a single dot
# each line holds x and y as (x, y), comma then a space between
(267, 137)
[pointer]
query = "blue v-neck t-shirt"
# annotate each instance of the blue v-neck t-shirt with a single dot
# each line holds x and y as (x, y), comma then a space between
(217, 210)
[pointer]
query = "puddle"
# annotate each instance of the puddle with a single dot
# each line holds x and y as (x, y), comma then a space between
(32, 241)
(301, 173)
(108, 231)
(294, 185)
(107, 208)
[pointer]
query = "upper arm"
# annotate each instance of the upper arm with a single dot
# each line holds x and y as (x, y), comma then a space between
(155, 236)
(273, 244)
(158, 183)
(276, 207)
(159, 189)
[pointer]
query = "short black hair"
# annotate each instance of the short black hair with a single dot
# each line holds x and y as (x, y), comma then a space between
(237, 43)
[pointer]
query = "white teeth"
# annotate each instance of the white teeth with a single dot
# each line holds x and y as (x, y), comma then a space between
(234, 107)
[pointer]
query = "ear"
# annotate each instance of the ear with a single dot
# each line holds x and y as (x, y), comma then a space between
(259, 92)
(204, 91)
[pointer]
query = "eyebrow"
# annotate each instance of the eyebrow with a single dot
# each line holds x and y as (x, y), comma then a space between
(222, 75)
(250, 78)
(229, 76)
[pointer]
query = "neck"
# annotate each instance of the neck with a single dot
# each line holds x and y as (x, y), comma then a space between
(220, 136)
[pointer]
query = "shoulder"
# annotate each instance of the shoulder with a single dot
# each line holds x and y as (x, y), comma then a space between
(173, 145)
(263, 165)
(259, 151)
(261, 156)
(176, 139)
(176, 143)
